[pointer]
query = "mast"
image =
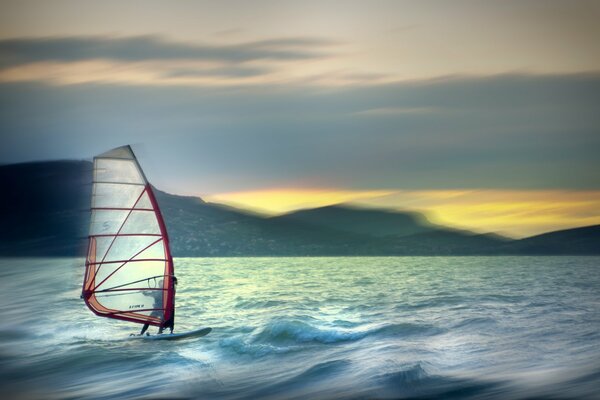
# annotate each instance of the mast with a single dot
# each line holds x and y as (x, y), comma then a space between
(129, 266)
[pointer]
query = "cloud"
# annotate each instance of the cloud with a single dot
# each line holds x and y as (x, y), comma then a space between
(21, 51)
(153, 60)
(504, 132)
(227, 71)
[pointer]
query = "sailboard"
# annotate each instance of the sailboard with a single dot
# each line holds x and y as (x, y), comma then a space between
(129, 271)
(176, 336)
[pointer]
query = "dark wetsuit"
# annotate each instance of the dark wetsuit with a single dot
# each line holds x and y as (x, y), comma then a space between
(158, 304)
(170, 323)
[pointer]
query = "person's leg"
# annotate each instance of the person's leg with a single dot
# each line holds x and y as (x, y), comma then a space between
(144, 329)
(169, 324)
(172, 319)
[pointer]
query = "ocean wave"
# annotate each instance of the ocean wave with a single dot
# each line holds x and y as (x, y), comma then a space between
(241, 346)
(321, 371)
(301, 332)
(408, 329)
(345, 324)
(431, 336)
(474, 322)
(13, 334)
(414, 381)
(364, 281)
(251, 304)
(405, 376)
(435, 301)
(283, 336)
(301, 384)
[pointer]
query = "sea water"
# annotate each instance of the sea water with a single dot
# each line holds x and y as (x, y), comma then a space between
(315, 328)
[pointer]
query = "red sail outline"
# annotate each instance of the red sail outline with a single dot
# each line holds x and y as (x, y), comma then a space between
(92, 265)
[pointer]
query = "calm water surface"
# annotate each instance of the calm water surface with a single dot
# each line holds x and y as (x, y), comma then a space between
(312, 328)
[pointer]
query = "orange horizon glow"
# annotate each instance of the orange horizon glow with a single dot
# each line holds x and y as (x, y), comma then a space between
(515, 213)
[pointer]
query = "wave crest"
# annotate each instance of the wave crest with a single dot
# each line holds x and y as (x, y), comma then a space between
(282, 336)
(301, 332)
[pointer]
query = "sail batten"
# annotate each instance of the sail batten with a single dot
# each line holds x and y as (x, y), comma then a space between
(128, 249)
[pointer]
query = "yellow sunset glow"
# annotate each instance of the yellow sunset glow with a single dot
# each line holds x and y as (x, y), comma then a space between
(517, 213)
(278, 201)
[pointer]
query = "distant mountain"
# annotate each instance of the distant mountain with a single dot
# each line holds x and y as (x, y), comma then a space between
(44, 211)
(44, 207)
(584, 241)
(447, 242)
(197, 228)
(392, 232)
(373, 222)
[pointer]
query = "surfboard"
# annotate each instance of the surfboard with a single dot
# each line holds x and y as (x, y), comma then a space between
(177, 336)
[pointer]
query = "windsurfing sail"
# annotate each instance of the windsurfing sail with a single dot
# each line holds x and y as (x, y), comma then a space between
(129, 269)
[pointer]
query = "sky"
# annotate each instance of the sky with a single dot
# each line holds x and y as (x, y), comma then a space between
(484, 115)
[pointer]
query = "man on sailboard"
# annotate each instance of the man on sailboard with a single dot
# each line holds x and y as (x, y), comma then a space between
(157, 295)
(170, 323)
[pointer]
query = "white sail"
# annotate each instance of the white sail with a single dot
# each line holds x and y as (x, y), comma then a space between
(129, 268)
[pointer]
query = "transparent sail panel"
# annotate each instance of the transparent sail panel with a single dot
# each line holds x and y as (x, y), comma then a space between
(144, 202)
(142, 222)
(112, 195)
(105, 222)
(139, 274)
(124, 248)
(119, 152)
(146, 303)
(118, 171)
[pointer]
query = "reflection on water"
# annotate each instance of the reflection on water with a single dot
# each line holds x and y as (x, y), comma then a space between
(389, 327)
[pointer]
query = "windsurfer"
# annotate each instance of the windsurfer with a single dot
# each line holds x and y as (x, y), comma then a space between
(157, 296)
(170, 323)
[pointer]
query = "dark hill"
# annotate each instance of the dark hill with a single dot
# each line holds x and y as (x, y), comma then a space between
(44, 207)
(197, 228)
(447, 242)
(583, 241)
(365, 221)
(44, 211)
